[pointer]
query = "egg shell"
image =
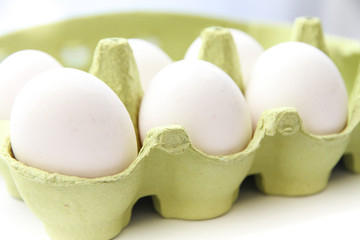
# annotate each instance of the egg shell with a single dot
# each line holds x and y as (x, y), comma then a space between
(68, 121)
(205, 100)
(18, 69)
(184, 182)
(296, 74)
(248, 50)
(150, 59)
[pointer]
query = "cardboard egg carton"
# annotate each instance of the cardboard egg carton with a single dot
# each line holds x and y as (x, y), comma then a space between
(184, 182)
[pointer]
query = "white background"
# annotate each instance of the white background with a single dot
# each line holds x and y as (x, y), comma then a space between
(332, 214)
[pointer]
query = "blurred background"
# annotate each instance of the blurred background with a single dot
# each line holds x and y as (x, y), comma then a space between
(340, 17)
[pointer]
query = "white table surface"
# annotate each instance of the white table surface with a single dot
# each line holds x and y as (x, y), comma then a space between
(331, 214)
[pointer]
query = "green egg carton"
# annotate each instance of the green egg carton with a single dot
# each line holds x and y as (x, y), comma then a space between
(184, 182)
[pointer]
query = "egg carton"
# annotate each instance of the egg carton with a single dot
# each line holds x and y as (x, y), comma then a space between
(184, 182)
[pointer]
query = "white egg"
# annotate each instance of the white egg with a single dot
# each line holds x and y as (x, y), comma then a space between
(248, 50)
(295, 74)
(149, 58)
(204, 99)
(16, 70)
(70, 122)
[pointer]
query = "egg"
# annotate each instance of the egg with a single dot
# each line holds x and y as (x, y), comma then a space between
(16, 70)
(205, 100)
(149, 58)
(248, 50)
(296, 74)
(68, 121)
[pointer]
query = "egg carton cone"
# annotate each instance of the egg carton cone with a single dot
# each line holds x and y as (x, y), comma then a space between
(183, 182)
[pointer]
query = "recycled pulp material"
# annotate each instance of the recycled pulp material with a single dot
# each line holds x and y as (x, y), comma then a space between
(184, 182)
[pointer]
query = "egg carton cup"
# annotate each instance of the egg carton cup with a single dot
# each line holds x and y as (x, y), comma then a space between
(184, 182)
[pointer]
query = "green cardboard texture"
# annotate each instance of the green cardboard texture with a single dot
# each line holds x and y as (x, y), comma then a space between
(291, 161)
(184, 182)
(309, 30)
(218, 47)
(4, 168)
(115, 65)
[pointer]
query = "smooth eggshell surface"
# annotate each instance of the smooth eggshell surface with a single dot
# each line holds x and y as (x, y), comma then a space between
(296, 74)
(149, 58)
(205, 100)
(70, 122)
(248, 50)
(16, 70)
